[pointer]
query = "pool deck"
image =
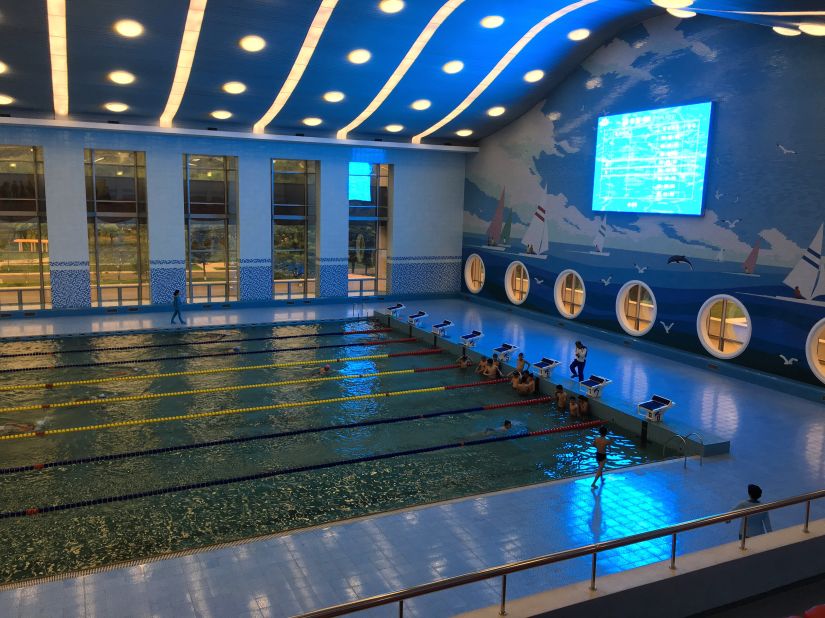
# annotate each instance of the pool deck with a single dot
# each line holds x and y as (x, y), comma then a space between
(777, 441)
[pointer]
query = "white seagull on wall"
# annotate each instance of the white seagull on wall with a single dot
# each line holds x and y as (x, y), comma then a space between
(731, 224)
(786, 151)
(538, 281)
(788, 361)
(608, 280)
(640, 269)
(667, 327)
(718, 195)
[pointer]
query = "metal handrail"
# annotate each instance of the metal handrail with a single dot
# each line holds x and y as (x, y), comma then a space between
(701, 441)
(684, 446)
(593, 550)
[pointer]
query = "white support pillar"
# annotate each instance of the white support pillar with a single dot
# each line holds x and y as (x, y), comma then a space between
(167, 232)
(255, 227)
(333, 226)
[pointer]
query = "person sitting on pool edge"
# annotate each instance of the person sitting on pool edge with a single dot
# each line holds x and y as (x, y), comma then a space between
(464, 361)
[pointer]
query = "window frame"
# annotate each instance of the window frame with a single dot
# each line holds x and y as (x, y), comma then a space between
(625, 321)
(468, 275)
(558, 298)
(509, 274)
(381, 175)
(816, 366)
(703, 318)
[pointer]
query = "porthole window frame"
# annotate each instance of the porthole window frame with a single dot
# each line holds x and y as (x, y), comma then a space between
(557, 289)
(621, 316)
(810, 350)
(701, 317)
(508, 290)
(467, 273)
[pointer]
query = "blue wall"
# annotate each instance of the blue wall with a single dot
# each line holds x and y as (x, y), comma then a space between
(764, 184)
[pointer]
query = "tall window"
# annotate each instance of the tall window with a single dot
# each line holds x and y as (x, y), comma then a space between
(210, 192)
(116, 216)
(24, 241)
(569, 293)
(294, 204)
(369, 207)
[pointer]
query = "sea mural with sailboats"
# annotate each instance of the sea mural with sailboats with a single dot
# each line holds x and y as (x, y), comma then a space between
(528, 190)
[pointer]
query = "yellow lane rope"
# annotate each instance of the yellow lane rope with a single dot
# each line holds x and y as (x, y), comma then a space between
(197, 372)
(277, 406)
(198, 391)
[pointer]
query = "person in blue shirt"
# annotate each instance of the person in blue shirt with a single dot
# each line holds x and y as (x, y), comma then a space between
(759, 523)
(176, 307)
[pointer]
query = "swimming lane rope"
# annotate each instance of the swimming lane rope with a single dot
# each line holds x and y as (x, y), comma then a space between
(201, 372)
(31, 511)
(213, 355)
(276, 406)
(188, 343)
(270, 436)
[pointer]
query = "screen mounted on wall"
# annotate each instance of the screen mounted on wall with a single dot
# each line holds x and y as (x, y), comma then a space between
(652, 161)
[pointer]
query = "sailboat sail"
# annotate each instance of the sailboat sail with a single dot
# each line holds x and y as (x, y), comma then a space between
(536, 238)
(494, 231)
(505, 234)
(808, 276)
(598, 242)
(750, 262)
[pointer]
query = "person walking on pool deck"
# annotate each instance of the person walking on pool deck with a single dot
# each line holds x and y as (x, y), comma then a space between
(577, 366)
(601, 443)
(176, 307)
(760, 523)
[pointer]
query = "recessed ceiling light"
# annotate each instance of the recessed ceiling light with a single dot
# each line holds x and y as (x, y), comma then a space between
(116, 107)
(673, 4)
(121, 77)
(333, 96)
(221, 114)
(464, 132)
(578, 35)
(786, 31)
(359, 56)
(252, 43)
(312, 122)
(534, 76)
(6, 99)
(3, 67)
(492, 21)
(394, 128)
(391, 6)
(453, 66)
(498, 110)
(234, 87)
(129, 28)
(421, 104)
(681, 13)
(813, 29)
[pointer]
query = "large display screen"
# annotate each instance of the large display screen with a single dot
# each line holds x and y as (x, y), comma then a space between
(653, 161)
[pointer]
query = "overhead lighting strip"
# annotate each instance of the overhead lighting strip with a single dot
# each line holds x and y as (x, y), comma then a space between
(501, 65)
(316, 29)
(56, 12)
(412, 55)
(188, 45)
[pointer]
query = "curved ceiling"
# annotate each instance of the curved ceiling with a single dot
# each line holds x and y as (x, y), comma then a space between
(194, 45)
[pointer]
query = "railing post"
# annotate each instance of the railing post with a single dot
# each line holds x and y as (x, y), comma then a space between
(807, 516)
(673, 553)
(744, 532)
(502, 611)
(593, 573)
(401, 608)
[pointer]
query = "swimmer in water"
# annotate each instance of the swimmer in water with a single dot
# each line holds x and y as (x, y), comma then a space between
(10, 428)
(506, 426)
(324, 370)
(464, 361)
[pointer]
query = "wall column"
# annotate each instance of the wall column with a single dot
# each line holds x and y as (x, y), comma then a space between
(167, 233)
(333, 227)
(255, 228)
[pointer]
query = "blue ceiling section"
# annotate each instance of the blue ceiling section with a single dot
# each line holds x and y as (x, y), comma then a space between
(95, 50)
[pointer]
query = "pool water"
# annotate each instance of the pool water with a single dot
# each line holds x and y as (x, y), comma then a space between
(102, 534)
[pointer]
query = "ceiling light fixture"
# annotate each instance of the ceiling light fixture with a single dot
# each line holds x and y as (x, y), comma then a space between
(312, 121)
(394, 128)
(128, 28)
(498, 110)
(221, 114)
(56, 11)
(6, 99)
(681, 13)
(234, 87)
(3, 67)
(580, 34)
(391, 6)
(534, 76)
(186, 57)
(116, 107)
(359, 56)
(333, 96)
(121, 77)
(453, 67)
(813, 29)
(316, 29)
(252, 43)
(406, 62)
(501, 65)
(464, 132)
(673, 4)
(786, 31)
(492, 21)
(421, 104)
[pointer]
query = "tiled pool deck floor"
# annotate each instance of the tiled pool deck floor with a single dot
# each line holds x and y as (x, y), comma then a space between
(777, 440)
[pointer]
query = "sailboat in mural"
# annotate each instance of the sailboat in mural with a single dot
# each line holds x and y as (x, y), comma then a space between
(505, 234)
(598, 241)
(749, 265)
(494, 232)
(536, 239)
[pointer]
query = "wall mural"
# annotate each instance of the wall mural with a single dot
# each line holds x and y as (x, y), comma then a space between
(529, 189)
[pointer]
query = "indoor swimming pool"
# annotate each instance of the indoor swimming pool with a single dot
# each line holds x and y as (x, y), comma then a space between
(124, 447)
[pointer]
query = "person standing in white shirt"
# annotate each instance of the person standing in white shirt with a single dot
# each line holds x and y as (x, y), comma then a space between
(577, 366)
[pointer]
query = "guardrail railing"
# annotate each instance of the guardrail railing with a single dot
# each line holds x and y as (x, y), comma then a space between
(593, 550)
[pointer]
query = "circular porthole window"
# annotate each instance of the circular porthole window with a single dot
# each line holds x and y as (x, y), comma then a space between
(724, 326)
(815, 350)
(517, 283)
(636, 308)
(474, 273)
(569, 293)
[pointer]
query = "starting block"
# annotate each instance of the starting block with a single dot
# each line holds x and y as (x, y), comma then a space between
(504, 351)
(470, 339)
(654, 408)
(440, 329)
(546, 366)
(416, 318)
(594, 385)
(395, 309)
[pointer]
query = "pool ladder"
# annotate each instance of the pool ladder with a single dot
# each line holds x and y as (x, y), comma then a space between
(684, 438)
